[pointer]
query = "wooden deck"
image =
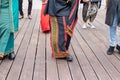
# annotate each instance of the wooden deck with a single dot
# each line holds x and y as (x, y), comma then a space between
(88, 47)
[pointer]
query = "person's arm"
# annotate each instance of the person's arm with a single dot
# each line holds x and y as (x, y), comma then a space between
(44, 1)
(85, 1)
(107, 1)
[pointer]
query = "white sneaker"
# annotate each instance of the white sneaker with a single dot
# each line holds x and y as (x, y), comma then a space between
(84, 26)
(92, 26)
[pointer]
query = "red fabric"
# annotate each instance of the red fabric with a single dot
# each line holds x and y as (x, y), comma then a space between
(44, 20)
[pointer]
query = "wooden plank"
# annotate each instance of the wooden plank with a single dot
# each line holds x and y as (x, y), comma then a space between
(4, 68)
(94, 62)
(28, 66)
(63, 70)
(112, 59)
(21, 24)
(40, 62)
(75, 68)
(83, 61)
(99, 53)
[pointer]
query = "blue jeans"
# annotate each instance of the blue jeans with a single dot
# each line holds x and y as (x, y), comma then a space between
(113, 30)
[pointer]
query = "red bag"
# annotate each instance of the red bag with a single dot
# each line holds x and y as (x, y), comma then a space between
(44, 20)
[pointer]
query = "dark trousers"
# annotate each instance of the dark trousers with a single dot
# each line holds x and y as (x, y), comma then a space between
(21, 7)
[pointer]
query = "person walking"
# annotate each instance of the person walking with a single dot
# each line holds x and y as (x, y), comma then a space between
(113, 21)
(21, 9)
(63, 17)
(6, 29)
(89, 12)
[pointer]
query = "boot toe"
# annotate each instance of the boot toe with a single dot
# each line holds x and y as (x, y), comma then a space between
(12, 56)
(110, 50)
(109, 53)
(69, 58)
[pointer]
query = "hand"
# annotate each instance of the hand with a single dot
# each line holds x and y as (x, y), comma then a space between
(85, 1)
(44, 1)
(107, 1)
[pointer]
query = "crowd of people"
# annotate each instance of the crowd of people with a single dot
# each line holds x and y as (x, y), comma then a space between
(63, 15)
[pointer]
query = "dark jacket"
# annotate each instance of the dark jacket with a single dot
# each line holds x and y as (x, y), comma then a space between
(113, 5)
(91, 1)
(57, 8)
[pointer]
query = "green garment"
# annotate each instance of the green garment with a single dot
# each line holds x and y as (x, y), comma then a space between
(6, 27)
(15, 14)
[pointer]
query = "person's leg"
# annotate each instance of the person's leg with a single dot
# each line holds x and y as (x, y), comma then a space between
(91, 21)
(91, 25)
(113, 35)
(59, 38)
(84, 25)
(118, 45)
(68, 42)
(7, 44)
(10, 47)
(29, 8)
(4, 37)
(20, 9)
(112, 32)
(93, 16)
(6, 26)
(84, 15)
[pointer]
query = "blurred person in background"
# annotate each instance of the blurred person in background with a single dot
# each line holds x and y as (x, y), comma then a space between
(89, 12)
(113, 21)
(21, 9)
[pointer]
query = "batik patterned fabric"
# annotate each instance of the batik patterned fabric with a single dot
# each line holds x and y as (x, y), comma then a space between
(62, 20)
(6, 27)
(58, 37)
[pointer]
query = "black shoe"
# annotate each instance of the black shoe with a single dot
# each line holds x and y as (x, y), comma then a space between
(110, 50)
(12, 56)
(1, 58)
(118, 48)
(69, 58)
